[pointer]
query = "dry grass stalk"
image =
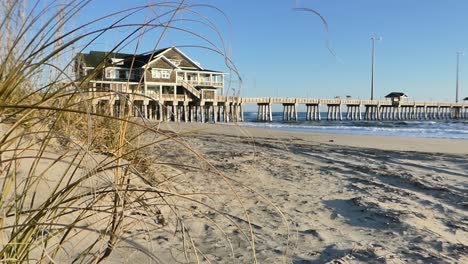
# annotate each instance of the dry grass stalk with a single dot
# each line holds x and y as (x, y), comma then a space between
(75, 183)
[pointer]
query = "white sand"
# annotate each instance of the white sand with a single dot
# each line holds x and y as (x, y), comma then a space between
(356, 199)
(310, 198)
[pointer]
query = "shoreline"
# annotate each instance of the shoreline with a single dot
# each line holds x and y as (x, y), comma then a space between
(394, 143)
(331, 129)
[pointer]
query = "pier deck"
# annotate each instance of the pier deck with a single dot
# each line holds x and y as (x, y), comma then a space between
(359, 109)
(180, 107)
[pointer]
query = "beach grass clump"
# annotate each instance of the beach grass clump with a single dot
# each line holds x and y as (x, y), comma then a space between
(76, 182)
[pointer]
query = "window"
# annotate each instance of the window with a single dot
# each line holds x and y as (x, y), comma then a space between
(155, 73)
(165, 74)
(160, 74)
(133, 75)
(111, 73)
(123, 74)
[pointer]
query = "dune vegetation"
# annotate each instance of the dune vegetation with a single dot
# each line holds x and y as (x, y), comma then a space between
(75, 183)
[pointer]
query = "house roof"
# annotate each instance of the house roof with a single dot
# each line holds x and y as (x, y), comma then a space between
(396, 94)
(197, 65)
(95, 58)
(205, 70)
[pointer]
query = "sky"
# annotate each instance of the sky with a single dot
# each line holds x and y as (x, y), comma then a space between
(280, 51)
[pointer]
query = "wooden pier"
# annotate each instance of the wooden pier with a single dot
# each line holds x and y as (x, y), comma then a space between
(359, 109)
(180, 108)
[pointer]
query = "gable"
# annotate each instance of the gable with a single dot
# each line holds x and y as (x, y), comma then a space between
(161, 63)
(185, 61)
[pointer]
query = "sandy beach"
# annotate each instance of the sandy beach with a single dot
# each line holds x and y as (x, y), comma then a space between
(310, 198)
(231, 194)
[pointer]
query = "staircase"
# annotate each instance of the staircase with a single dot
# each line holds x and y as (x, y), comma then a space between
(190, 88)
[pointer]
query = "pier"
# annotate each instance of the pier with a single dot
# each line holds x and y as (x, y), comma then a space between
(349, 109)
(180, 108)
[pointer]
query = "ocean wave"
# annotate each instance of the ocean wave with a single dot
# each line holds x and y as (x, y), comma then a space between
(429, 129)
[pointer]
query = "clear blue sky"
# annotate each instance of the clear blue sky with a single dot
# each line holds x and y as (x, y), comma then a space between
(281, 51)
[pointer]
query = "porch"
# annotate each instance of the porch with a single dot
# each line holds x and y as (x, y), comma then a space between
(201, 78)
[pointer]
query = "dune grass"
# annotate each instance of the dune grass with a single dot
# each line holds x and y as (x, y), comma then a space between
(74, 183)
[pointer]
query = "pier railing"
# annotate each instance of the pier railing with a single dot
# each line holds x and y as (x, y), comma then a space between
(212, 107)
(337, 101)
(360, 109)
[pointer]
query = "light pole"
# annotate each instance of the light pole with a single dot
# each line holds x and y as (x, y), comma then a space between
(458, 70)
(374, 38)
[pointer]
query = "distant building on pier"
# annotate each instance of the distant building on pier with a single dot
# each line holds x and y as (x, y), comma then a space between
(396, 97)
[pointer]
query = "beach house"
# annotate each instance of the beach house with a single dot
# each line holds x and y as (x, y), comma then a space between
(165, 84)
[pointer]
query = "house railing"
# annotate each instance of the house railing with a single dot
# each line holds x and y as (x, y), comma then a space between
(190, 88)
(167, 96)
(199, 82)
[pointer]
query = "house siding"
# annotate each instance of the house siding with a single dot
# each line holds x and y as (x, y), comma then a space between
(174, 55)
(162, 65)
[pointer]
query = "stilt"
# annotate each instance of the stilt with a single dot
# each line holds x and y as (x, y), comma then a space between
(225, 112)
(150, 111)
(202, 112)
(111, 108)
(349, 111)
(186, 110)
(241, 111)
(144, 110)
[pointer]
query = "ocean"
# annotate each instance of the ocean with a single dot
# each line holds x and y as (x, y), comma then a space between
(450, 129)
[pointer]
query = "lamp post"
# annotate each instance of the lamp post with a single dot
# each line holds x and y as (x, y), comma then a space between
(374, 38)
(458, 70)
